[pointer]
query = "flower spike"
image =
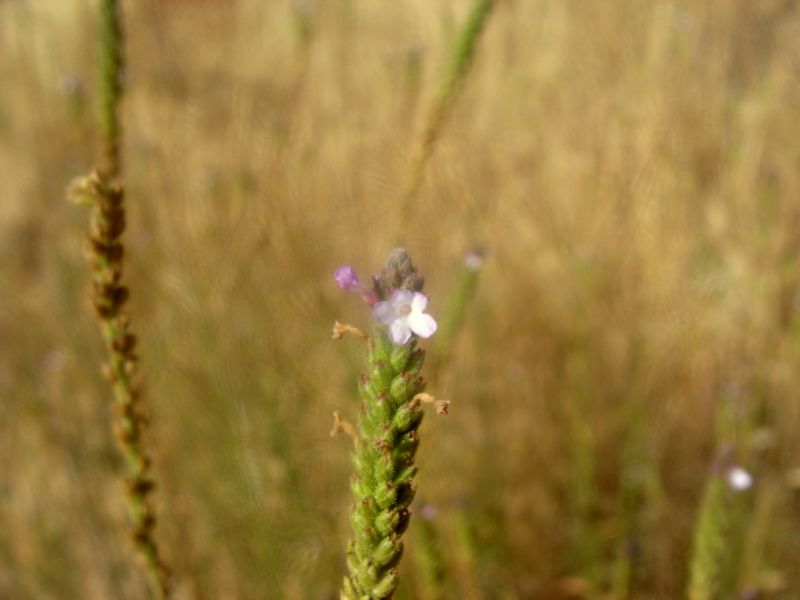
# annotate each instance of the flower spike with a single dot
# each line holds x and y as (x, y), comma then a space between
(386, 435)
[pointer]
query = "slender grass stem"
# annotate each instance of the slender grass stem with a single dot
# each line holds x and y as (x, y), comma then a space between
(461, 61)
(429, 557)
(460, 299)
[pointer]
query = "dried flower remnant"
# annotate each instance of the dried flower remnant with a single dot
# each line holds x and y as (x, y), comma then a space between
(386, 435)
(342, 426)
(339, 331)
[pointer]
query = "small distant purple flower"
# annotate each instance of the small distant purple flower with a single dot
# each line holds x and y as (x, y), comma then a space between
(348, 280)
(428, 512)
(474, 259)
(404, 314)
(69, 85)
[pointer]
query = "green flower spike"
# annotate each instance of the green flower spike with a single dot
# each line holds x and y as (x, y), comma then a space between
(386, 437)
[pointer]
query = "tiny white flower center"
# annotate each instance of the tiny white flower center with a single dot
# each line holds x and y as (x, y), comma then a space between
(404, 310)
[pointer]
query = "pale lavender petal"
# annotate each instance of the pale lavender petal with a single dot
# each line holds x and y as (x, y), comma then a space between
(399, 331)
(739, 480)
(421, 324)
(419, 302)
(347, 278)
(402, 297)
(383, 312)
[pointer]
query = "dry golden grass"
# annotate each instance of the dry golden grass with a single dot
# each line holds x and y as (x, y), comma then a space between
(632, 170)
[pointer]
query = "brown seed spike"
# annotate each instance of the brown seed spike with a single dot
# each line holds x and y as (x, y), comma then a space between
(102, 191)
(108, 373)
(124, 344)
(121, 295)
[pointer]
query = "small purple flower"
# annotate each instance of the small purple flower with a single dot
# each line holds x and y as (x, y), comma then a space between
(404, 314)
(428, 512)
(347, 278)
(474, 259)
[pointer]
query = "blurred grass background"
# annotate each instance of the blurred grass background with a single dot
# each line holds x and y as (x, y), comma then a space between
(632, 170)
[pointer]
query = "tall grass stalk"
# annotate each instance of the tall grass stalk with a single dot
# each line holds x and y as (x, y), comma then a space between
(641, 492)
(480, 524)
(455, 310)
(469, 550)
(481, 545)
(756, 552)
(639, 489)
(461, 61)
(636, 479)
(428, 556)
(585, 545)
(104, 193)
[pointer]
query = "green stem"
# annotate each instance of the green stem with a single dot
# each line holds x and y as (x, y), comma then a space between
(455, 311)
(430, 560)
(110, 68)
